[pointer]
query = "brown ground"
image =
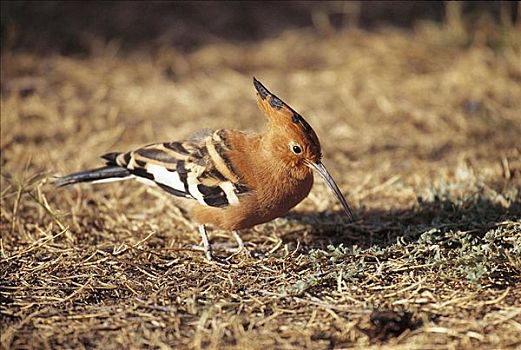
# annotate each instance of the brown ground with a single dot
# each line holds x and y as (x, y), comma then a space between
(420, 129)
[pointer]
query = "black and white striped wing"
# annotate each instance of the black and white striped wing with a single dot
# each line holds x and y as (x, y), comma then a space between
(196, 169)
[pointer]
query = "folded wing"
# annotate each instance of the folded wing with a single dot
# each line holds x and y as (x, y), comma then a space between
(198, 169)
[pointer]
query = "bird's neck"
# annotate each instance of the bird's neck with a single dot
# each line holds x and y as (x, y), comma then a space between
(277, 189)
(260, 155)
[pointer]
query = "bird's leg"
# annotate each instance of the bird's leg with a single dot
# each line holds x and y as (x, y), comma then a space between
(240, 243)
(206, 243)
(207, 248)
(228, 247)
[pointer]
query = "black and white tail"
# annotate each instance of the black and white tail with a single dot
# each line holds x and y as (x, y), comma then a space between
(104, 174)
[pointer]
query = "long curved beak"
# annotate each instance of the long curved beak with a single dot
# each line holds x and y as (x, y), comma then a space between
(321, 169)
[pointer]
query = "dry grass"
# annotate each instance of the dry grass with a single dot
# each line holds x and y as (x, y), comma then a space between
(420, 129)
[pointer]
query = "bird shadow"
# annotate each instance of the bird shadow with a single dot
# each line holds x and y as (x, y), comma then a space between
(382, 228)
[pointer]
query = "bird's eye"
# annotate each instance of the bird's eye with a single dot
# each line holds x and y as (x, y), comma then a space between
(296, 148)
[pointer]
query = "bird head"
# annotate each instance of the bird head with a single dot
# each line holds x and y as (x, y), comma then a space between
(293, 141)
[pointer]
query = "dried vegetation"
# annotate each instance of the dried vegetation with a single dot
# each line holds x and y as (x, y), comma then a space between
(421, 130)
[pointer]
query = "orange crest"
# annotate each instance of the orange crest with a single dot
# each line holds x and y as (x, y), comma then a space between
(279, 113)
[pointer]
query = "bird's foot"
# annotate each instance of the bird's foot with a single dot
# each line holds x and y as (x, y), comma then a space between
(207, 248)
(210, 256)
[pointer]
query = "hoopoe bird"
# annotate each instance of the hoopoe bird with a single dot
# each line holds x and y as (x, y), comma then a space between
(229, 179)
